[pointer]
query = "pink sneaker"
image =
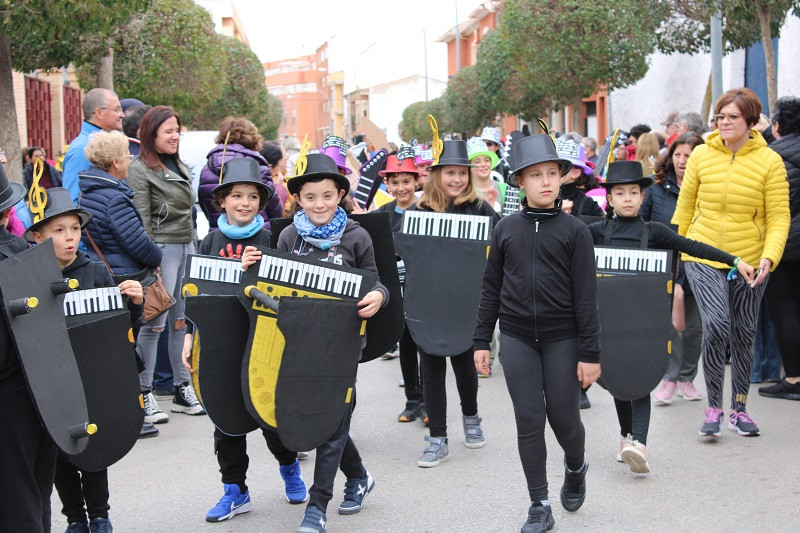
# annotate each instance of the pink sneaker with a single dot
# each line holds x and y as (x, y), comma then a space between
(687, 390)
(663, 395)
(635, 456)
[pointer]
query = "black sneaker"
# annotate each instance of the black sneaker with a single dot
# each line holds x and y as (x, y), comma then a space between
(185, 400)
(410, 413)
(782, 389)
(355, 490)
(573, 491)
(423, 414)
(100, 525)
(148, 430)
(313, 521)
(540, 519)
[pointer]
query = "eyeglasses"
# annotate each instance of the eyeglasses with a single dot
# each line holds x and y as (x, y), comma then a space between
(118, 110)
(730, 116)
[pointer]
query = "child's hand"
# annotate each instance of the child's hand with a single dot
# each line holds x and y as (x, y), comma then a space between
(186, 356)
(133, 290)
(370, 304)
(250, 256)
(482, 361)
(490, 196)
(746, 271)
(763, 269)
(566, 206)
(588, 373)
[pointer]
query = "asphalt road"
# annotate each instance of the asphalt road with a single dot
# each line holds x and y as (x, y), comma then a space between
(168, 483)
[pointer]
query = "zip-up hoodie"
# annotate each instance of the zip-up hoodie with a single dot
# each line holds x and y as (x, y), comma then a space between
(540, 281)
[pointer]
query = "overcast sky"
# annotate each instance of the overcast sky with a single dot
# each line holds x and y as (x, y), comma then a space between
(386, 35)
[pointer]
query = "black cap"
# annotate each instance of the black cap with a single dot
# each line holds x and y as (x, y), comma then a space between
(10, 192)
(532, 150)
(626, 173)
(243, 170)
(453, 153)
(318, 166)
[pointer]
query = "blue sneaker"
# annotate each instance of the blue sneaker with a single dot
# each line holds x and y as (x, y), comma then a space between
(77, 527)
(295, 487)
(313, 521)
(233, 502)
(100, 525)
(355, 490)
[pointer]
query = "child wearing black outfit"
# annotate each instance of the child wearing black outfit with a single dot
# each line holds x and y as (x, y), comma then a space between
(540, 282)
(625, 185)
(400, 177)
(240, 197)
(321, 230)
(81, 491)
(450, 188)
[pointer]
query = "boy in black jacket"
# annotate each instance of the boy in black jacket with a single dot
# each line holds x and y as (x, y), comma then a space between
(27, 454)
(540, 282)
(80, 491)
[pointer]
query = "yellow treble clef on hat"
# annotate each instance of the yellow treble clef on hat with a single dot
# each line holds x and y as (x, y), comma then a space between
(436, 144)
(37, 195)
(545, 129)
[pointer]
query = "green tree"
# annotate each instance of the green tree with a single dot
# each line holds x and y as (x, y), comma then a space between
(414, 124)
(744, 22)
(49, 34)
(171, 55)
(547, 54)
(468, 107)
(245, 93)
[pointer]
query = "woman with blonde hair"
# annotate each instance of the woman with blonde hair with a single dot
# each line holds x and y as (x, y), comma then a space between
(647, 151)
(243, 140)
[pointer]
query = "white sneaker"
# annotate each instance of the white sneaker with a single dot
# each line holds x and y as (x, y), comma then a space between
(626, 441)
(635, 456)
(152, 413)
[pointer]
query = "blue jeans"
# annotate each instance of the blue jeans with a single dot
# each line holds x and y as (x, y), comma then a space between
(767, 358)
(173, 261)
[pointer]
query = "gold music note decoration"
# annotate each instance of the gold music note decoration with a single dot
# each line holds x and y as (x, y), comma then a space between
(545, 129)
(301, 163)
(437, 146)
(37, 195)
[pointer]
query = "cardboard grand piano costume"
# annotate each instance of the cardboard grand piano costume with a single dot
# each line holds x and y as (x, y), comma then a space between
(99, 329)
(445, 256)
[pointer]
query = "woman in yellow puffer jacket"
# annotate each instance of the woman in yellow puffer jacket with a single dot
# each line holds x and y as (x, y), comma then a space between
(734, 197)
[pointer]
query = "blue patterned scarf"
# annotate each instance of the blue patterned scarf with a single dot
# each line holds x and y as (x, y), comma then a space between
(323, 237)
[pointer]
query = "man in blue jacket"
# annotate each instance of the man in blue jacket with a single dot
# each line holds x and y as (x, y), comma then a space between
(101, 111)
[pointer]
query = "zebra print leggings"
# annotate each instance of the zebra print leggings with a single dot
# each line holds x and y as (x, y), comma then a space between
(729, 310)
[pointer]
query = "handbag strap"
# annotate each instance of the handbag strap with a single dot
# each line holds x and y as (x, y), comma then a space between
(94, 244)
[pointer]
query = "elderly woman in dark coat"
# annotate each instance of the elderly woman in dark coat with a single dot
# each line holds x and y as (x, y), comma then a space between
(659, 206)
(783, 291)
(244, 141)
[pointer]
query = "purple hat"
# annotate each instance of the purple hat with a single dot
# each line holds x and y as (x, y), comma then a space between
(335, 148)
(422, 155)
(574, 153)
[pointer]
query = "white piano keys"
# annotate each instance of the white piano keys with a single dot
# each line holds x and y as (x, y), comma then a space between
(631, 260)
(472, 227)
(89, 301)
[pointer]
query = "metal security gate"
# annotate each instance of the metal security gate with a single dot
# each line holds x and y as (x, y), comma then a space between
(72, 113)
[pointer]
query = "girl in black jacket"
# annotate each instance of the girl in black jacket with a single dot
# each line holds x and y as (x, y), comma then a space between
(540, 282)
(626, 230)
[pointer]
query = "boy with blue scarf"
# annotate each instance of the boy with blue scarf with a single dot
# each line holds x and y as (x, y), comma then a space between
(321, 230)
(240, 196)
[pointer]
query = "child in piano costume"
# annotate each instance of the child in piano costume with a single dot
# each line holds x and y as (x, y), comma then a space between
(540, 282)
(81, 492)
(401, 176)
(240, 196)
(624, 187)
(450, 188)
(321, 230)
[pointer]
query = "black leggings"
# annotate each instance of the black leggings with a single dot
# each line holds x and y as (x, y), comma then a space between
(81, 491)
(634, 418)
(232, 456)
(434, 370)
(542, 382)
(783, 302)
(410, 367)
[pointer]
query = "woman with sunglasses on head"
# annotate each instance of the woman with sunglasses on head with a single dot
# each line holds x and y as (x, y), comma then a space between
(735, 197)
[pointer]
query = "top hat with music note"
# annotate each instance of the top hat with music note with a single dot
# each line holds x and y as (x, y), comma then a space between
(59, 203)
(10, 192)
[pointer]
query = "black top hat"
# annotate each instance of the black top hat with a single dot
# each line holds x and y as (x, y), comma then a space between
(453, 153)
(318, 166)
(59, 202)
(243, 170)
(10, 192)
(532, 150)
(626, 173)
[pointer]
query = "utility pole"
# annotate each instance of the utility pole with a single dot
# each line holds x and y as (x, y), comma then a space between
(716, 57)
(425, 53)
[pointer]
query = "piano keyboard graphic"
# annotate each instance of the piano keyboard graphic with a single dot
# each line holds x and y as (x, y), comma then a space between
(472, 227)
(511, 204)
(369, 180)
(620, 260)
(93, 301)
(215, 269)
(312, 276)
